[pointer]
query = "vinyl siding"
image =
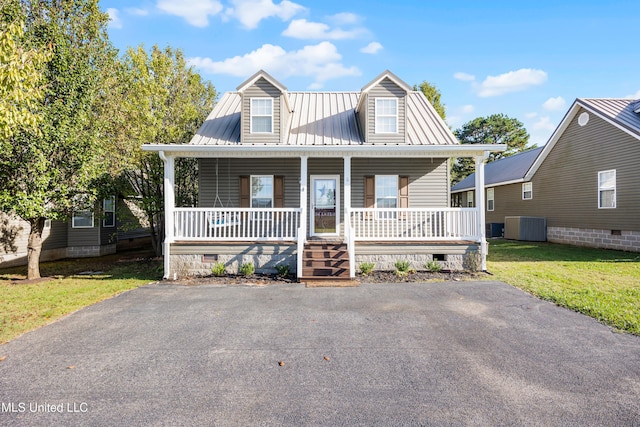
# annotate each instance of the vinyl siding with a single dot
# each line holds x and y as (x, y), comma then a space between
(84, 236)
(55, 237)
(262, 89)
(386, 89)
(508, 202)
(229, 172)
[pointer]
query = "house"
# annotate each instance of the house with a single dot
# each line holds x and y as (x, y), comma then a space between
(584, 181)
(87, 233)
(321, 182)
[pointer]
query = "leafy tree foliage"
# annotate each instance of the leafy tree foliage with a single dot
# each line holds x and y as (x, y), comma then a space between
(494, 129)
(433, 95)
(49, 170)
(160, 101)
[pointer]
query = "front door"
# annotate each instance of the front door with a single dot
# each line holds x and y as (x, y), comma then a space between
(325, 205)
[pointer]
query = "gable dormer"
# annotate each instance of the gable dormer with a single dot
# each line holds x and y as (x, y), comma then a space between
(382, 109)
(264, 111)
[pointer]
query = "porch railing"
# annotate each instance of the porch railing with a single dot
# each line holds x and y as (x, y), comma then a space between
(414, 224)
(239, 224)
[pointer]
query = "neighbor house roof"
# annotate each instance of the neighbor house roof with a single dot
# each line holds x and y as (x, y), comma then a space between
(323, 118)
(508, 170)
(621, 113)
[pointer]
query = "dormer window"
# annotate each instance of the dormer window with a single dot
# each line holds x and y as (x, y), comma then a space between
(386, 115)
(261, 115)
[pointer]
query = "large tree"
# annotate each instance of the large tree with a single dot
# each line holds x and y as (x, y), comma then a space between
(49, 170)
(494, 129)
(433, 95)
(162, 101)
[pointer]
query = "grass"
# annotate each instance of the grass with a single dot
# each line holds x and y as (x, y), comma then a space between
(25, 306)
(600, 283)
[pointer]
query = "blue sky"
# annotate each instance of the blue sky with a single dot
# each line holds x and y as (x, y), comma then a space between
(526, 59)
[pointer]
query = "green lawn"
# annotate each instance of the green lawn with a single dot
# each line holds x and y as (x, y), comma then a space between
(603, 284)
(26, 306)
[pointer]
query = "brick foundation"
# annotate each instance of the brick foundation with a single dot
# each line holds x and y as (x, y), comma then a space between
(626, 241)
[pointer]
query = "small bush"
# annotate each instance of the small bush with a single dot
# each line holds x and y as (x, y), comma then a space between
(403, 268)
(282, 269)
(366, 268)
(218, 269)
(247, 269)
(433, 266)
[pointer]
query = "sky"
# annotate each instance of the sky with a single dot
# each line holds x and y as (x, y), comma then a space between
(527, 59)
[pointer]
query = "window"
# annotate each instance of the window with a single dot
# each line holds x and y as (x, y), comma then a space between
(82, 219)
(527, 191)
(386, 191)
(261, 115)
(490, 199)
(262, 191)
(386, 115)
(109, 211)
(607, 189)
(470, 198)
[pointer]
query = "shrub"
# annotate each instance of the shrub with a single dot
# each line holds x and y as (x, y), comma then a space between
(247, 269)
(282, 269)
(433, 266)
(403, 268)
(366, 268)
(218, 269)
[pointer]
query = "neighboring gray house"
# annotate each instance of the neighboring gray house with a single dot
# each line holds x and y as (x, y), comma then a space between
(321, 181)
(86, 234)
(584, 181)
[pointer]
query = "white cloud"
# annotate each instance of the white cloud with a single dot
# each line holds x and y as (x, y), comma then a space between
(195, 12)
(464, 77)
(544, 123)
(467, 109)
(321, 61)
(372, 48)
(554, 104)
(532, 115)
(634, 95)
(114, 18)
(513, 81)
(303, 29)
(344, 18)
(137, 11)
(251, 12)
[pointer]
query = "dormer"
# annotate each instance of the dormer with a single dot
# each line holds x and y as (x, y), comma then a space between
(265, 110)
(382, 109)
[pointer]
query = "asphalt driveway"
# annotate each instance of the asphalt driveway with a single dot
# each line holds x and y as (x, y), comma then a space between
(461, 353)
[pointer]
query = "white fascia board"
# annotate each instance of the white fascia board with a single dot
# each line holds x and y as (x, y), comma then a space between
(364, 151)
(493, 185)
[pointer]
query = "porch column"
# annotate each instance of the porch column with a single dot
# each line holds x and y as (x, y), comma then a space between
(347, 198)
(169, 206)
(480, 209)
(302, 231)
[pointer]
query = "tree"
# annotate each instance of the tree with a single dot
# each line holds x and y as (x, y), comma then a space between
(21, 74)
(49, 170)
(162, 101)
(433, 95)
(494, 129)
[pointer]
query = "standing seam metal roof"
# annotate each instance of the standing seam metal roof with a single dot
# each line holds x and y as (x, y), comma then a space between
(324, 118)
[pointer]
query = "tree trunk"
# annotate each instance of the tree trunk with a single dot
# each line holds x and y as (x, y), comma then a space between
(34, 248)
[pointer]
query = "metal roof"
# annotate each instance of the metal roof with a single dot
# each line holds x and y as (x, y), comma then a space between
(324, 118)
(619, 111)
(508, 169)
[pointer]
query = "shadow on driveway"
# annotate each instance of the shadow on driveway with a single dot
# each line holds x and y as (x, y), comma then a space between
(462, 353)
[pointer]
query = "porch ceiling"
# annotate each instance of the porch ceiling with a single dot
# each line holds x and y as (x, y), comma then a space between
(362, 151)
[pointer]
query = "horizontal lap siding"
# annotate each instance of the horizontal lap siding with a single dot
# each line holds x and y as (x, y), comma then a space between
(84, 236)
(565, 188)
(386, 89)
(229, 172)
(262, 89)
(428, 179)
(508, 202)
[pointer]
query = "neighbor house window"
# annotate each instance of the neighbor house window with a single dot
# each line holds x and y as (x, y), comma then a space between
(109, 211)
(607, 189)
(82, 219)
(386, 115)
(527, 191)
(262, 191)
(470, 199)
(490, 199)
(261, 115)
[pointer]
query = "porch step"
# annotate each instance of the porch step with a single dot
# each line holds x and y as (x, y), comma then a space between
(325, 260)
